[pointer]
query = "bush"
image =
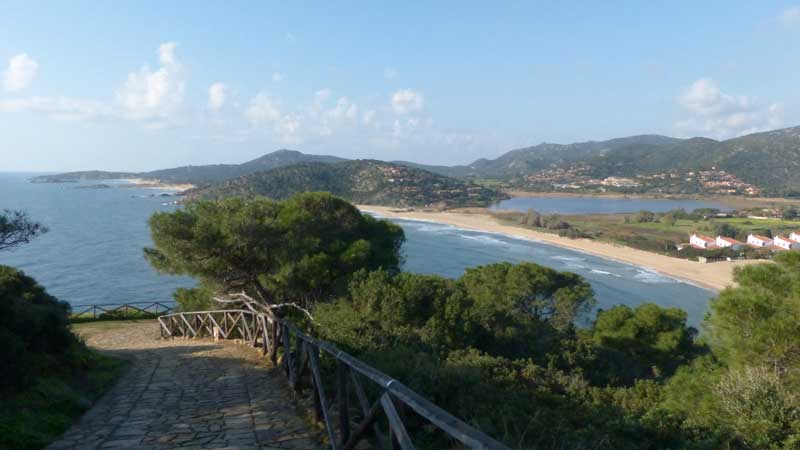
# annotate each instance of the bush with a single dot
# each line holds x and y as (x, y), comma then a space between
(33, 326)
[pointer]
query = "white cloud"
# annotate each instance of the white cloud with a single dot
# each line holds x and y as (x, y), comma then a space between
(407, 101)
(217, 94)
(262, 110)
(368, 117)
(277, 77)
(790, 16)
(389, 73)
(403, 128)
(154, 95)
(20, 73)
(56, 107)
(344, 109)
(721, 115)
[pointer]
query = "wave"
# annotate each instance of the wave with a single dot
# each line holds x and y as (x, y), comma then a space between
(568, 258)
(484, 239)
(651, 277)
(603, 272)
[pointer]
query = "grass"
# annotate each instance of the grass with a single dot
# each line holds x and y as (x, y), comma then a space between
(34, 416)
(659, 237)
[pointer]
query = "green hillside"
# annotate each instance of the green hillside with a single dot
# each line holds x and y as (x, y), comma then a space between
(197, 175)
(360, 181)
(768, 161)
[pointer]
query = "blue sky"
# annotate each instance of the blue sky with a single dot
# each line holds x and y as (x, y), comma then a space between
(146, 85)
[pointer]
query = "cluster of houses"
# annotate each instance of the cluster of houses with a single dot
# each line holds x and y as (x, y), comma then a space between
(753, 240)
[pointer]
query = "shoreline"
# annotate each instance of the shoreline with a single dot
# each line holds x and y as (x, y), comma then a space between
(155, 184)
(730, 201)
(712, 276)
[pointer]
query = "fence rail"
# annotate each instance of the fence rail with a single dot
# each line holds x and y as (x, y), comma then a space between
(122, 310)
(347, 422)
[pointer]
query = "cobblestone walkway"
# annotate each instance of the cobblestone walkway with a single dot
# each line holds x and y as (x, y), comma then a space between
(186, 394)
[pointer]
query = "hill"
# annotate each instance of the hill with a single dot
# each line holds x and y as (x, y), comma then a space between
(359, 181)
(760, 163)
(523, 161)
(197, 175)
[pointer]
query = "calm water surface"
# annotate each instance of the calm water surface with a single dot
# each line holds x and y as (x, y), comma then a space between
(601, 205)
(93, 252)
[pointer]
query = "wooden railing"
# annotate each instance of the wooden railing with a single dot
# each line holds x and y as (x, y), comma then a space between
(347, 423)
(121, 310)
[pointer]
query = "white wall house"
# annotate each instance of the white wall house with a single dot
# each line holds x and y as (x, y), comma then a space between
(795, 236)
(700, 241)
(786, 243)
(726, 242)
(759, 241)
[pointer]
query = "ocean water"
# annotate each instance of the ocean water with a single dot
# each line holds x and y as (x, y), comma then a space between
(93, 252)
(601, 205)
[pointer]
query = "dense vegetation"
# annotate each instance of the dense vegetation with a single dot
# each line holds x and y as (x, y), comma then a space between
(302, 249)
(362, 181)
(197, 175)
(47, 376)
(767, 160)
(499, 346)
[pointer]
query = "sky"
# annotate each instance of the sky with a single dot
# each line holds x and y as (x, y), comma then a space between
(145, 85)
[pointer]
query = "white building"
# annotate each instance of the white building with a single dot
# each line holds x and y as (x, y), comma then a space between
(726, 242)
(795, 236)
(759, 241)
(700, 241)
(786, 243)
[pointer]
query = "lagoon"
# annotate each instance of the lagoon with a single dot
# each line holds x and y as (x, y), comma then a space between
(601, 205)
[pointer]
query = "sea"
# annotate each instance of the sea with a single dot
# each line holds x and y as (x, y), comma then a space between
(93, 252)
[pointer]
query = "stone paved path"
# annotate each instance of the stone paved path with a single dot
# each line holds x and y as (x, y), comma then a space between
(186, 394)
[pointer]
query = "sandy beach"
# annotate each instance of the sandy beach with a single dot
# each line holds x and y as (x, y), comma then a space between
(155, 184)
(715, 276)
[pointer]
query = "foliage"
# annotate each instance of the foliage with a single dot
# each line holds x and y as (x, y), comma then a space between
(302, 249)
(497, 347)
(33, 327)
(197, 175)
(746, 395)
(16, 228)
(31, 417)
(362, 181)
(194, 299)
(755, 323)
(47, 376)
(653, 340)
(644, 217)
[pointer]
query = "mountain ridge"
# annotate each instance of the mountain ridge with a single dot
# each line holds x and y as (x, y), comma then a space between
(764, 162)
(359, 181)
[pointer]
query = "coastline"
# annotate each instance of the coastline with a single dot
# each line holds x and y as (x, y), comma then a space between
(713, 276)
(155, 184)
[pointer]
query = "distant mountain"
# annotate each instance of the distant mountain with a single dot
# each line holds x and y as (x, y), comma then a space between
(360, 181)
(767, 163)
(199, 175)
(524, 161)
(769, 160)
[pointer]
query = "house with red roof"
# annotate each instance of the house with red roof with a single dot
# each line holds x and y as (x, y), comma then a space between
(702, 242)
(759, 241)
(786, 243)
(726, 242)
